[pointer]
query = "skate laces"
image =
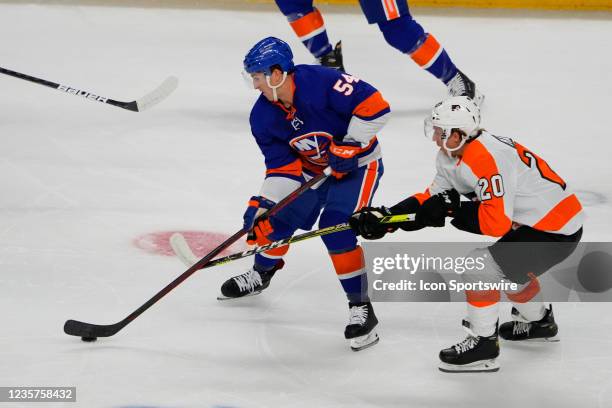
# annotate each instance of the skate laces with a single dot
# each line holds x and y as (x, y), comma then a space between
(359, 314)
(521, 327)
(466, 345)
(248, 281)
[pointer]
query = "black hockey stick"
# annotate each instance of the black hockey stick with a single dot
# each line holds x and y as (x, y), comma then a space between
(184, 253)
(150, 99)
(89, 331)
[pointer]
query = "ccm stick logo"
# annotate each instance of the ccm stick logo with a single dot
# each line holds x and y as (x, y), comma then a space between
(84, 94)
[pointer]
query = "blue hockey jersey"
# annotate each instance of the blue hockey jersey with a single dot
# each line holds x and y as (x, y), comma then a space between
(327, 104)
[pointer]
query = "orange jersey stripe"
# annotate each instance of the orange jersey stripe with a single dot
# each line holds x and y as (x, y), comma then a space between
(294, 168)
(427, 51)
(368, 185)
(422, 197)
(482, 298)
(308, 23)
(348, 262)
(560, 215)
(390, 9)
(492, 217)
(371, 106)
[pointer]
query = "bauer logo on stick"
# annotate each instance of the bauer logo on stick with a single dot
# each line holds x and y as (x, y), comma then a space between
(84, 94)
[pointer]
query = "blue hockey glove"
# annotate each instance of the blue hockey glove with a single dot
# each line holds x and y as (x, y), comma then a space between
(257, 206)
(343, 157)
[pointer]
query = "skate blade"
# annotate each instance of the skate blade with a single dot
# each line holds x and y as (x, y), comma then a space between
(482, 366)
(554, 339)
(363, 342)
(223, 298)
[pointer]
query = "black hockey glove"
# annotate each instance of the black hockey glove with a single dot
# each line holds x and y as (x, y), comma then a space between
(366, 222)
(433, 212)
(466, 218)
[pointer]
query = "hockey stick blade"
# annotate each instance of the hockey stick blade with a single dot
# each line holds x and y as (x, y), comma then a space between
(158, 94)
(152, 98)
(181, 249)
(82, 329)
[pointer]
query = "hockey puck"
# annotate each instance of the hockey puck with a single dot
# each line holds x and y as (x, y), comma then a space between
(89, 339)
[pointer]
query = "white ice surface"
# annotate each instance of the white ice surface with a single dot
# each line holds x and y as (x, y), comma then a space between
(79, 181)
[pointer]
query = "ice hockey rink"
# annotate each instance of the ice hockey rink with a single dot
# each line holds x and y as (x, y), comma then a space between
(82, 183)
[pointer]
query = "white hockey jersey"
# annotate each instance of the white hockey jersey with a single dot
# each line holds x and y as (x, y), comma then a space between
(513, 184)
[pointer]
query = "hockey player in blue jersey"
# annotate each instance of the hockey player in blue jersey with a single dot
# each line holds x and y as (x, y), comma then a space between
(399, 29)
(309, 117)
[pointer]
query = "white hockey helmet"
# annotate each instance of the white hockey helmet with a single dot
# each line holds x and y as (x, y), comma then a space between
(456, 112)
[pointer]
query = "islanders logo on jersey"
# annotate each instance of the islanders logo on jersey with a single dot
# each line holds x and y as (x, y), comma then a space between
(313, 147)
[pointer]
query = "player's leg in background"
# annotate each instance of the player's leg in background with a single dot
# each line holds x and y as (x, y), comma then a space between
(406, 35)
(343, 198)
(299, 214)
(307, 23)
(533, 319)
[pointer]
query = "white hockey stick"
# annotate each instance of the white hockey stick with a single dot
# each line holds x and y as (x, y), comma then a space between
(150, 99)
(182, 250)
(158, 94)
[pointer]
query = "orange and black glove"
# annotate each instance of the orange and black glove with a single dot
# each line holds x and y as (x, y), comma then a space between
(257, 222)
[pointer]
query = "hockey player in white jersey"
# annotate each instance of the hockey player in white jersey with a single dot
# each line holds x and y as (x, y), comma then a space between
(513, 194)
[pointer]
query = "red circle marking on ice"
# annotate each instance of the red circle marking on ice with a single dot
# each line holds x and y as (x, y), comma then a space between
(201, 242)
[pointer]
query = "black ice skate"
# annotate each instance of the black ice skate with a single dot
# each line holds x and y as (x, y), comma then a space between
(333, 59)
(360, 330)
(519, 329)
(474, 354)
(250, 283)
(461, 85)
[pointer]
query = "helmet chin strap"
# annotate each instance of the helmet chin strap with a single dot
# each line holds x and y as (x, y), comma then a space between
(274, 87)
(450, 150)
